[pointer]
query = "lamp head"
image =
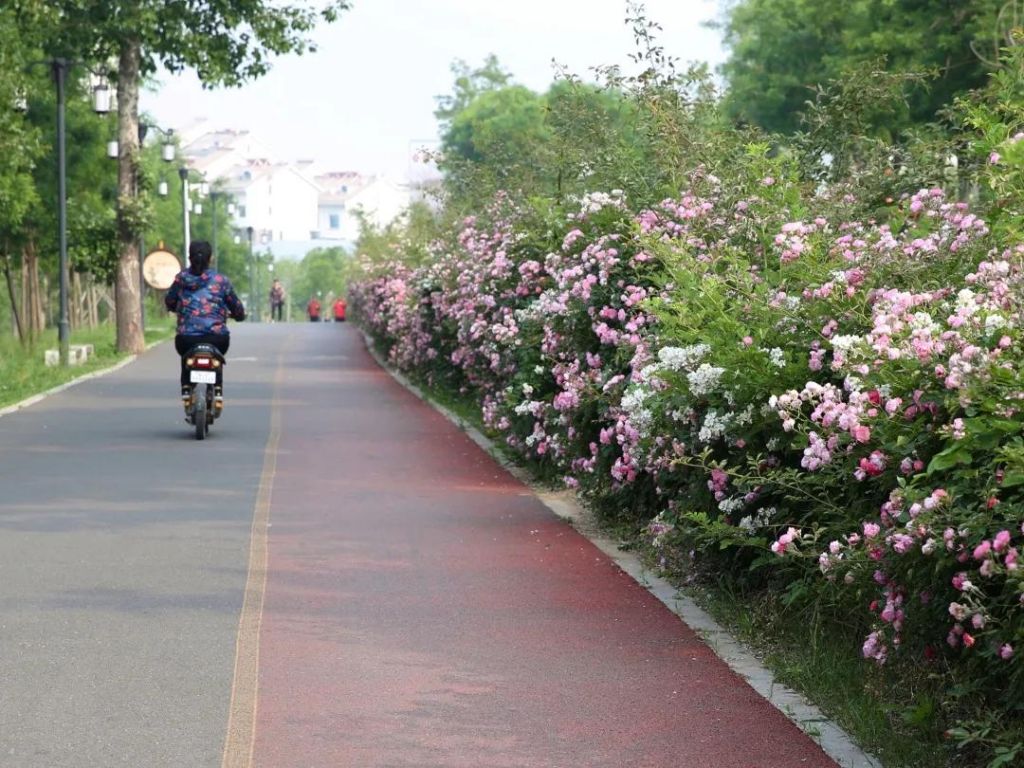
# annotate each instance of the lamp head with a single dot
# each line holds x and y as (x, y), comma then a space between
(101, 98)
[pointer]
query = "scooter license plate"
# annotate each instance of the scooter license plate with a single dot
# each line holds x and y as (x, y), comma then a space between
(203, 377)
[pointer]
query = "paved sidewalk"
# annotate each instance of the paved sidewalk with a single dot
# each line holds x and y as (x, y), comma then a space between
(423, 609)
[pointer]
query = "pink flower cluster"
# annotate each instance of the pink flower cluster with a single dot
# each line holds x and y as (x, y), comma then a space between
(714, 353)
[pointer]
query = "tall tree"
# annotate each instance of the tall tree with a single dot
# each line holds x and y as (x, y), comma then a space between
(469, 83)
(20, 145)
(780, 50)
(226, 42)
(321, 272)
(91, 177)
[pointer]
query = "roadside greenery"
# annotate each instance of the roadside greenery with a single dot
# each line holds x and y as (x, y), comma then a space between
(23, 372)
(111, 205)
(781, 50)
(790, 364)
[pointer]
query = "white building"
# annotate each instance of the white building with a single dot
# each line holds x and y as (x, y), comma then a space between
(346, 195)
(286, 203)
(276, 199)
(213, 153)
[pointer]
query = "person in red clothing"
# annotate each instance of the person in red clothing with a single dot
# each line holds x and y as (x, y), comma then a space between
(339, 310)
(313, 310)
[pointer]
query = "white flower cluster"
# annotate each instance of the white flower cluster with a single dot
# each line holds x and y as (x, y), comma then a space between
(760, 519)
(746, 416)
(533, 407)
(777, 357)
(682, 358)
(704, 379)
(996, 323)
(731, 504)
(923, 321)
(966, 304)
(592, 202)
(632, 403)
(845, 343)
(634, 398)
(714, 426)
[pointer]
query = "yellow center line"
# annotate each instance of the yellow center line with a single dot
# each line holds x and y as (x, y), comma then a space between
(241, 733)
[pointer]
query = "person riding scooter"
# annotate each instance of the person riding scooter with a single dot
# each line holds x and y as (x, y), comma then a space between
(203, 299)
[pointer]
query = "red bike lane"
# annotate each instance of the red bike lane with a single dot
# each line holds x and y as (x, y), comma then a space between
(422, 608)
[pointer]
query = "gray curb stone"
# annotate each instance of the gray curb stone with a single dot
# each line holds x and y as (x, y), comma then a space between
(835, 742)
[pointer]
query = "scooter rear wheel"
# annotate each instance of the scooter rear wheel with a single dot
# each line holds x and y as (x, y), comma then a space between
(199, 412)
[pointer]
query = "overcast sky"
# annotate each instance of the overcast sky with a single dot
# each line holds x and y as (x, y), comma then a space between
(364, 101)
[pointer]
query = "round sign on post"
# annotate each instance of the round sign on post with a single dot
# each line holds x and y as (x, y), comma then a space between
(160, 268)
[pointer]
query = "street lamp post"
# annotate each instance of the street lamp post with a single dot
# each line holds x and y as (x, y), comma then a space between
(264, 239)
(101, 105)
(167, 154)
(270, 278)
(187, 237)
(215, 195)
(60, 73)
(252, 285)
(259, 288)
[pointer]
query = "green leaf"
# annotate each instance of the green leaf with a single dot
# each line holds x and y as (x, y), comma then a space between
(1012, 479)
(919, 715)
(1005, 756)
(955, 454)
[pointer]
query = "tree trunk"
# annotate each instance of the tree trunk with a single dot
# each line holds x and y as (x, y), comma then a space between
(23, 284)
(94, 304)
(126, 286)
(15, 314)
(35, 322)
(46, 316)
(76, 310)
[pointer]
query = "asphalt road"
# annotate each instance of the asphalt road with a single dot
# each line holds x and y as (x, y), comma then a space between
(417, 608)
(124, 547)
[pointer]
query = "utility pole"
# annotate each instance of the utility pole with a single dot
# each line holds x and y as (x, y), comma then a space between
(60, 73)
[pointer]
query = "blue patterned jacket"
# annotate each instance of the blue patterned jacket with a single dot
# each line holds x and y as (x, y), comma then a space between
(203, 303)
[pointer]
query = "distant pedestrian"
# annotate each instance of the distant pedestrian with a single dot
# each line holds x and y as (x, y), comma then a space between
(339, 310)
(313, 310)
(276, 301)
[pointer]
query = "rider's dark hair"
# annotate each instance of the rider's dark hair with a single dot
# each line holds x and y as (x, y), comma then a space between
(199, 253)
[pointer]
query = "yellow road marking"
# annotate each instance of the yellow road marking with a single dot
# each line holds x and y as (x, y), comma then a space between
(241, 734)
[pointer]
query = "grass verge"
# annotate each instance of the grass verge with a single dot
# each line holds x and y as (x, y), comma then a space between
(892, 716)
(23, 372)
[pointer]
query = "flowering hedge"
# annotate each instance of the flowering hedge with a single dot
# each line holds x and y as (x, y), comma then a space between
(765, 379)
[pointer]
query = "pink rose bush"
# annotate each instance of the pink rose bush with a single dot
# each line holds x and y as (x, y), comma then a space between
(771, 382)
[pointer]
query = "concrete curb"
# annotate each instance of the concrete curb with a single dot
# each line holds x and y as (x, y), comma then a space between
(29, 401)
(835, 742)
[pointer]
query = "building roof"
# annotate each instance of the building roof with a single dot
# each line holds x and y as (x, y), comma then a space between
(337, 187)
(204, 160)
(240, 177)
